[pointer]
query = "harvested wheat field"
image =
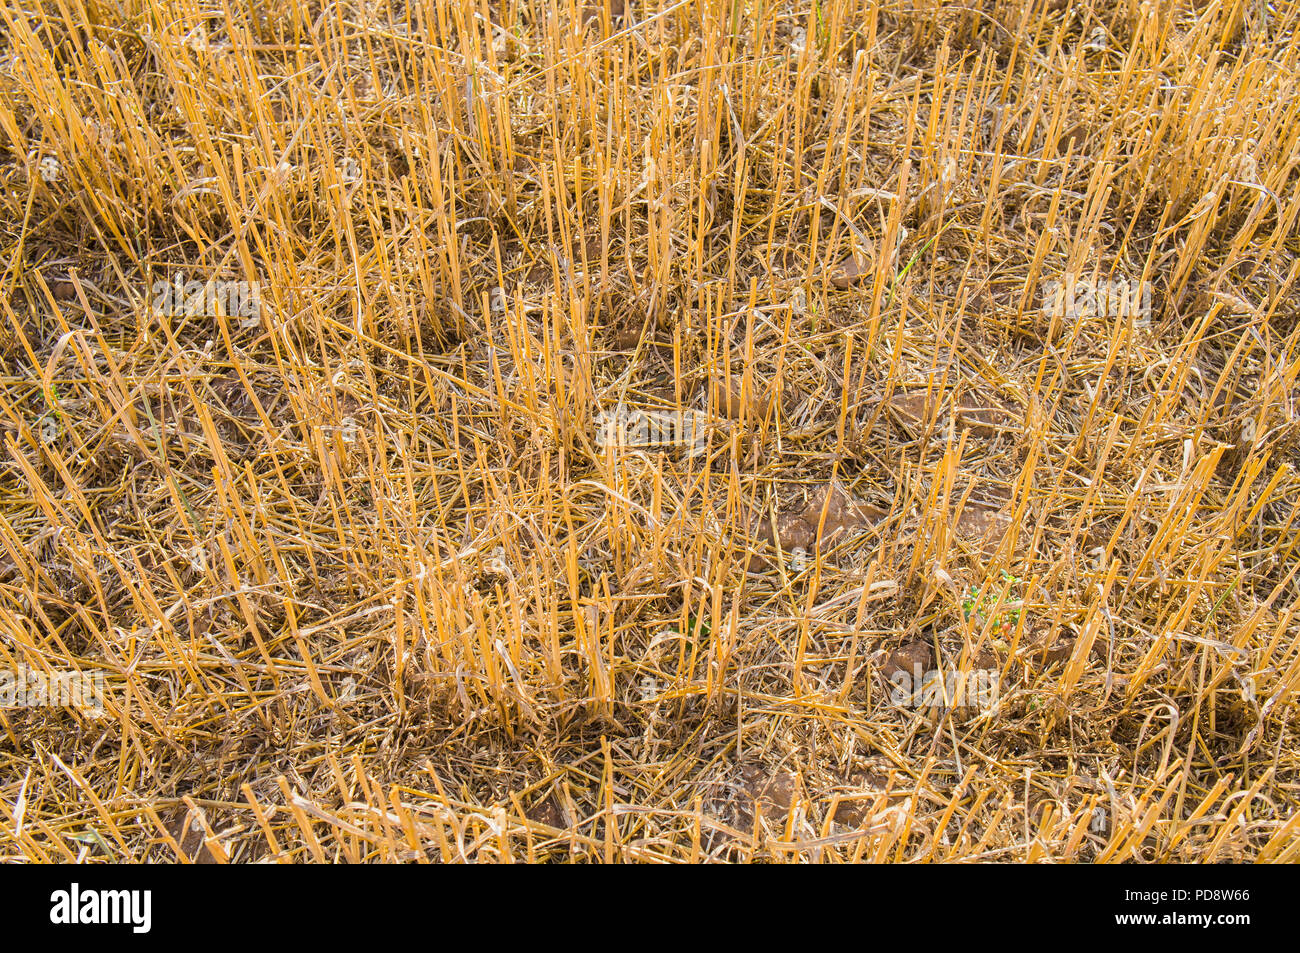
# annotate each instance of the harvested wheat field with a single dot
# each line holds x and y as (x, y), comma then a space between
(666, 431)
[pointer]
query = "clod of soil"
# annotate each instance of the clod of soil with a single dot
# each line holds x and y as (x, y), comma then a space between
(191, 839)
(765, 792)
(911, 410)
(591, 10)
(983, 524)
(63, 291)
(909, 657)
(726, 398)
(856, 268)
(798, 530)
(986, 418)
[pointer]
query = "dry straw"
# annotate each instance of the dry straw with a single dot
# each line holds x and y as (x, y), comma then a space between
(363, 583)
